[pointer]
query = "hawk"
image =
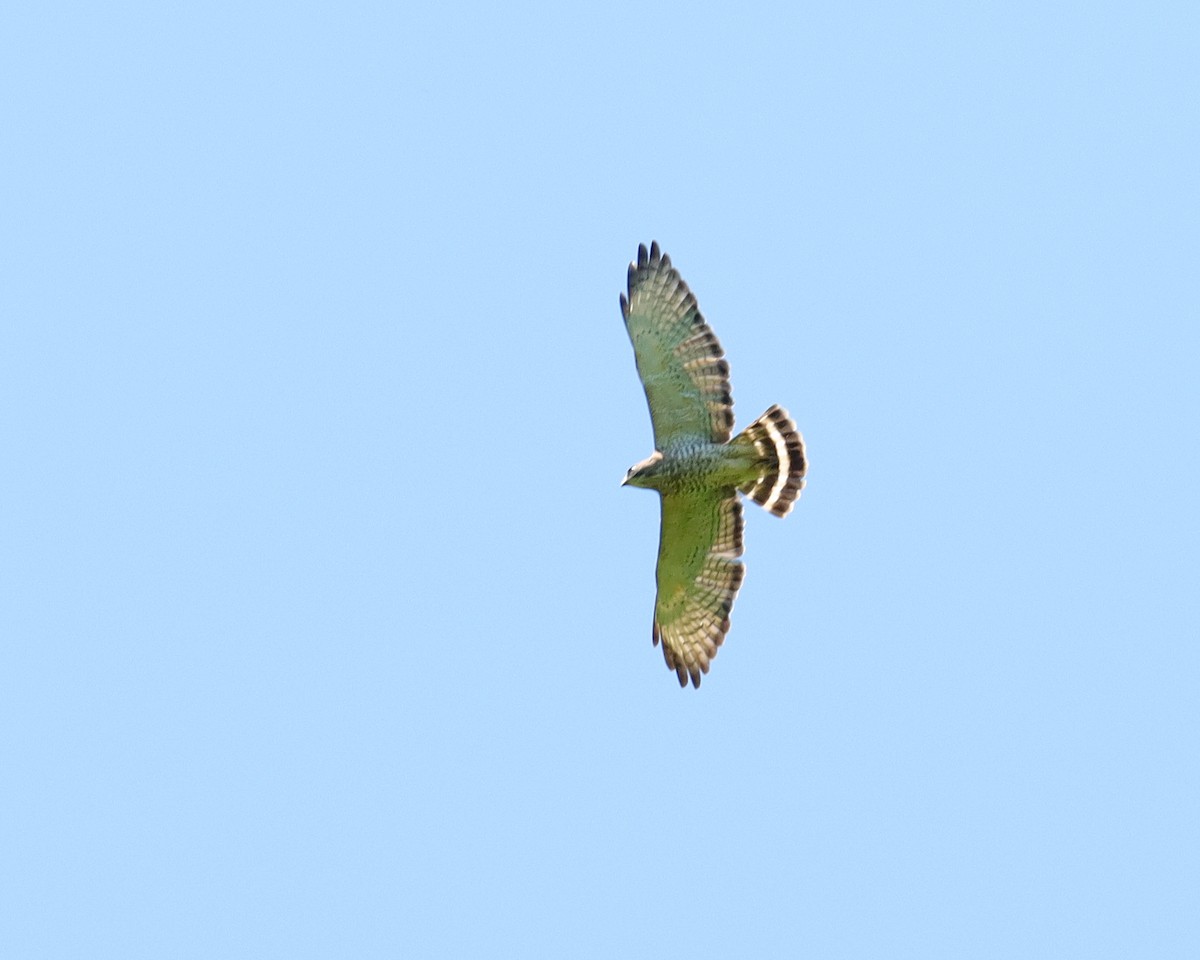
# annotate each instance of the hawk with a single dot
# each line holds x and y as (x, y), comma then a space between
(696, 469)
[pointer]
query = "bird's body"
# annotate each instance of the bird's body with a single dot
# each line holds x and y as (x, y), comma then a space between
(696, 468)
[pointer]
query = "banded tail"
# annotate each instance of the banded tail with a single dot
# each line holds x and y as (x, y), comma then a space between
(779, 451)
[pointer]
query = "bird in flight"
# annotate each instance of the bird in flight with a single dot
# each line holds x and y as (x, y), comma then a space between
(696, 468)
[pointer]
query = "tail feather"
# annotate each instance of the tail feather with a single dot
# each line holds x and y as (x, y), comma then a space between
(779, 451)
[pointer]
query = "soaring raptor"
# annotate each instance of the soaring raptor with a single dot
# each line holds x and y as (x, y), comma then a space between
(696, 469)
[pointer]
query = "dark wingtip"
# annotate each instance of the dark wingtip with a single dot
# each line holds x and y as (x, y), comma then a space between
(643, 259)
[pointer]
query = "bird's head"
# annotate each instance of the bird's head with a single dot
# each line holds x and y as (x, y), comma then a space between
(641, 474)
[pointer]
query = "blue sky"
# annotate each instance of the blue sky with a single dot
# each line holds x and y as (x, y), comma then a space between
(327, 622)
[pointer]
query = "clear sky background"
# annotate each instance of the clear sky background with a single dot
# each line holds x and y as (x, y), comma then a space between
(326, 623)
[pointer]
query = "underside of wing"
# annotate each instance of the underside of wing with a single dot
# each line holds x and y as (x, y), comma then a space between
(698, 578)
(679, 359)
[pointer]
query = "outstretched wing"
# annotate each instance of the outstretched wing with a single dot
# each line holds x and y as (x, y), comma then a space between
(681, 364)
(698, 577)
